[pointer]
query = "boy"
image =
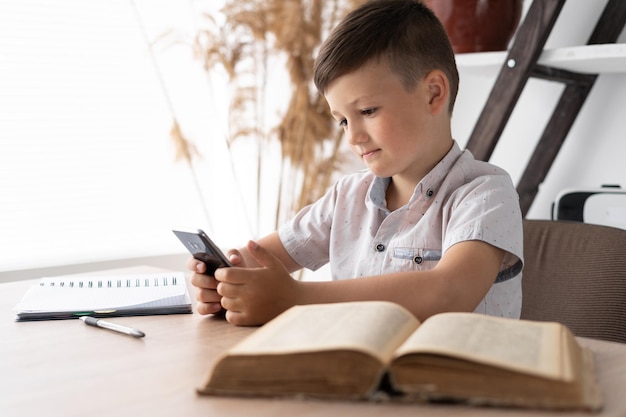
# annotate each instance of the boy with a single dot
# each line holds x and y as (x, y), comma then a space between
(425, 226)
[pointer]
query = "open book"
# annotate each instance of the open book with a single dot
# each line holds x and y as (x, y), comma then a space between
(359, 350)
(107, 295)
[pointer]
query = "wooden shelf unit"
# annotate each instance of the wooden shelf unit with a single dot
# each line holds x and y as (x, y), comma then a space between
(576, 67)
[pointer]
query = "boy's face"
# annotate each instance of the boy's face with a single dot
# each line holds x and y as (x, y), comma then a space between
(388, 127)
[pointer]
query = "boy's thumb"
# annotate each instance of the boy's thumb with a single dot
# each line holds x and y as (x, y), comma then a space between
(261, 255)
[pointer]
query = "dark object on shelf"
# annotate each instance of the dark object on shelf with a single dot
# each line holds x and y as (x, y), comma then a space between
(478, 25)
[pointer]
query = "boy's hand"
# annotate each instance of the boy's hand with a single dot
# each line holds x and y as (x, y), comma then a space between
(253, 296)
(208, 300)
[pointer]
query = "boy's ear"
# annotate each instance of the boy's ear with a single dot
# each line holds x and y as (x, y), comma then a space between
(438, 91)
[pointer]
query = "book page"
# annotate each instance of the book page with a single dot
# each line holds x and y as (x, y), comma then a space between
(105, 292)
(526, 346)
(376, 327)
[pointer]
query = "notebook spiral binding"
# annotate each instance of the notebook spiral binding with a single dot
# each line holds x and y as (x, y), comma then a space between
(120, 282)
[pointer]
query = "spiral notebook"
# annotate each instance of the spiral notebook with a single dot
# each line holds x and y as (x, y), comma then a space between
(109, 295)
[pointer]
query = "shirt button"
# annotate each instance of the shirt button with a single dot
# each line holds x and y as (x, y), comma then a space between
(380, 247)
(418, 260)
(430, 192)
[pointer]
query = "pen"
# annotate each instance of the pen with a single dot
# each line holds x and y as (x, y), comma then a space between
(92, 321)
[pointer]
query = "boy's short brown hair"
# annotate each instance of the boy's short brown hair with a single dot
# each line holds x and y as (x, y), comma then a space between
(405, 33)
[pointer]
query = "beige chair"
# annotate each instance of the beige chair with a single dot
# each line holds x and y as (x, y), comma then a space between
(575, 273)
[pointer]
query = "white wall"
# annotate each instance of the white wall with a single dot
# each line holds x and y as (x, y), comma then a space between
(87, 166)
(593, 153)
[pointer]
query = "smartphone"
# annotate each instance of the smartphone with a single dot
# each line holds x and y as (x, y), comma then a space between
(202, 248)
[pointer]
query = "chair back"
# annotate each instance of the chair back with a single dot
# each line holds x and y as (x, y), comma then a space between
(575, 274)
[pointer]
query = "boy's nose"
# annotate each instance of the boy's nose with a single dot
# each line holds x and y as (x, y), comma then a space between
(354, 135)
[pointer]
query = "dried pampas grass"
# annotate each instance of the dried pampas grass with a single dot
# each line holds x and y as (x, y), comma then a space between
(254, 33)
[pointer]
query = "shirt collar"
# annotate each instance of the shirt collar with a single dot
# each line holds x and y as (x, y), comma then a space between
(429, 184)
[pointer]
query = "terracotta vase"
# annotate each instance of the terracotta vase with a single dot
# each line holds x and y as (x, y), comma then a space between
(478, 25)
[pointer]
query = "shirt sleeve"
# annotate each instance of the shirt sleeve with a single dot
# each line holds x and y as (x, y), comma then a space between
(486, 209)
(306, 237)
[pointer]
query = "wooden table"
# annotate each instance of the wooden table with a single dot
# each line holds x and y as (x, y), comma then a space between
(64, 368)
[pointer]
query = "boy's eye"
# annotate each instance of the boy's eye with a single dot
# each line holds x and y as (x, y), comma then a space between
(343, 123)
(368, 112)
